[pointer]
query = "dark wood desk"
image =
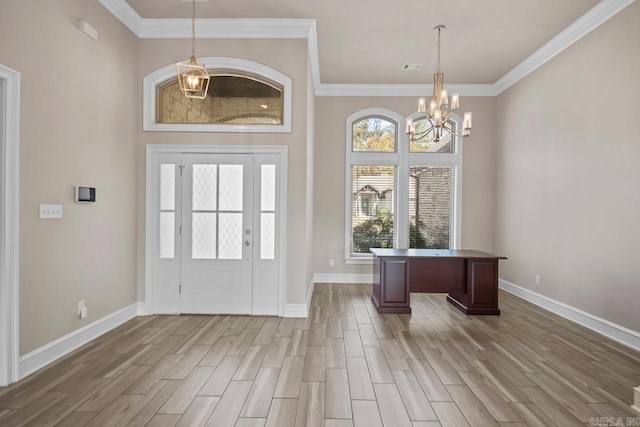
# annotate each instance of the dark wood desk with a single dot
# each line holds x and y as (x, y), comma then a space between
(470, 277)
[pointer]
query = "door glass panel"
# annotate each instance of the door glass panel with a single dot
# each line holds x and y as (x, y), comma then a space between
(203, 235)
(167, 234)
(431, 207)
(267, 235)
(230, 241)
(230, 187)
(204, 187)
(268, 188)
(167, 187)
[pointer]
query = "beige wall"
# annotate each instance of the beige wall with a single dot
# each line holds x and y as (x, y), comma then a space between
(289, 56)
(78, 126)
(477, 177)
(568, 174)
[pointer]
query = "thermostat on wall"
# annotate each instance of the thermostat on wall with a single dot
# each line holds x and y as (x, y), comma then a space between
(85, 194)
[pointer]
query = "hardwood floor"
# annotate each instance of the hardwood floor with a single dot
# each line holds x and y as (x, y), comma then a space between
(345, 365)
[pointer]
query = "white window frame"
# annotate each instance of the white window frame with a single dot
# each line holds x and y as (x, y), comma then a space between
(402, 159)
(153, 80)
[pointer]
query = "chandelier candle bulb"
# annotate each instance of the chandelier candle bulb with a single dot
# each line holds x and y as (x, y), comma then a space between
(444, 97)
(409, 125)
(455, 101)
(422, 104)
(466, 124)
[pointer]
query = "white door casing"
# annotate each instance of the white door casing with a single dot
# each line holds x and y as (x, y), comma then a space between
(9, 225)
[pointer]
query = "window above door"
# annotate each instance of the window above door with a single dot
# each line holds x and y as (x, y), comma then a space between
(243, 96)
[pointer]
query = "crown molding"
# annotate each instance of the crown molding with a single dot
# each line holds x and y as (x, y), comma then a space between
(329, 89)
(592, 19)
(306, 28)
(212, 28)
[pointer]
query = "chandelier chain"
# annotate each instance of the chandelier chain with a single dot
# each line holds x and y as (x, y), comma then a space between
(439, 28)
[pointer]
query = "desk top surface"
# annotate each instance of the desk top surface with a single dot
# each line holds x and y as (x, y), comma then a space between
(433, 253)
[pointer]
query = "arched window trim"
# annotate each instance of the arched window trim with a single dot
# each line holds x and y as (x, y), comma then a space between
(246, 67)
(403, 160)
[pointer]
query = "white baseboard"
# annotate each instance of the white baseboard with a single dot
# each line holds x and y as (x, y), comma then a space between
(342, 278)
(51, 352)
(609, 329)
(300, 310)
(142, 309)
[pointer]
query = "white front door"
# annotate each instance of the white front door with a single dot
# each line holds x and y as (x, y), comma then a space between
(215, 219)
(217, 233)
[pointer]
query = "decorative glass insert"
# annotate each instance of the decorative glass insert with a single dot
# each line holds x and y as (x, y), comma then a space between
(373, 193)
(231, 187)
(167, 210)
(232, 98)
(204, 187)
(431, 207)
(167, 187)
(167, 235)
(268, 188)
(267, 235)
(203, 235)
(230, 239)
(374, 134)
(425, 144)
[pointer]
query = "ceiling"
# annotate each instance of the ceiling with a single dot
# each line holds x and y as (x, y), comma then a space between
(359, 50)
(367, 42)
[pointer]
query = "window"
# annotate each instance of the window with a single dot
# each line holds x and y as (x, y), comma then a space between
(231, 99)
(243, 96)
(399, 193)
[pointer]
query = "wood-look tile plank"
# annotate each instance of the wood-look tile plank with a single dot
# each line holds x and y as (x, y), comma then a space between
(338, 423)
(162, 420)
(282, 413)
(111, 390)
(392, 410)
(430, 382)
(335, 355)
(221, 377)
(337, 399)
(261, 394)
(113, 413)
(311, 404)
(219, 350)
(242, 345)
(251, 422)
(449, 414)
(187, 391)
(74, 419)
(285, 328)
(334, 327)
(415, 401)
(314, 364)
(552, 409)
(471, 406)
(230, 404)
(366, 414)
(395, 356)
(378, 366)
(150, 378)
(276, 353)
(298, 343)
(251, 363)
(360, 385)
(198, 412)
(150, 403)
(267, 332)
(290, 378)
(352, 344)
(189, 361)
(495, 404)
(368, 335)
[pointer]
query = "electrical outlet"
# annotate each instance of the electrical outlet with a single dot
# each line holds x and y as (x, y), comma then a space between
(537, 279)
(82, 308)
(332, 263)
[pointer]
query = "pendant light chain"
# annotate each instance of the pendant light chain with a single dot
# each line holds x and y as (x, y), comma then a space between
(439, 28)
(193, 29)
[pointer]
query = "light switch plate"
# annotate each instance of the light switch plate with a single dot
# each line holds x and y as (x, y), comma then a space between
(50, 211)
